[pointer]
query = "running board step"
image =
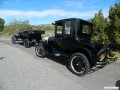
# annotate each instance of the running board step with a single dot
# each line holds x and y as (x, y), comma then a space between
(101, 63)
(100, 66)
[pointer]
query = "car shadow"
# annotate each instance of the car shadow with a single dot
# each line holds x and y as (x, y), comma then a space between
(94, 69)
(118, 84)
(65, 62)
(31, 45)
(1, 58)
(58, 60)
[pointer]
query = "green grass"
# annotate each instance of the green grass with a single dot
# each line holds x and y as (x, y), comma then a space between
(117, 63)
(113, 54)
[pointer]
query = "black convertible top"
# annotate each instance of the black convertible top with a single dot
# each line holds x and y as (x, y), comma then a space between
(34, 31)
(74, 19)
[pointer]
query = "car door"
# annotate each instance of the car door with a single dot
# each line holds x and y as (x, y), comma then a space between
(59, 34)
(63, 35)
(68, 41)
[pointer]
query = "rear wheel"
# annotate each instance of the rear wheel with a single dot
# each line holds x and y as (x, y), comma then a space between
(40, 50)
(26, 43)
(13, 39)
(79, 64)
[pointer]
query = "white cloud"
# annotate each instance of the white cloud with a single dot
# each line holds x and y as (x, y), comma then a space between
(105, 12)
(74, 4)
(45, 13)
(35, 17)
(93, 1)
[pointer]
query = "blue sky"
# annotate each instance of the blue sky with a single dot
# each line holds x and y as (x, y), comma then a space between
(47, 11)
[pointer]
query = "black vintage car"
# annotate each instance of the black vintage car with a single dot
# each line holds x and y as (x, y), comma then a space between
(72, 41)
(28, 37)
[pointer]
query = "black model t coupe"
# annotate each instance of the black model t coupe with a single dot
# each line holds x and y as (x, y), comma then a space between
(72, 41)
(28, 37)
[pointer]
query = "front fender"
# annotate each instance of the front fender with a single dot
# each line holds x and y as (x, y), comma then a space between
(45, 45)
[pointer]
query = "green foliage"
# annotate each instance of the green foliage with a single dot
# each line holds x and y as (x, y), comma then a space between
(114, 24)
(107, 29)
(16, 26)
(47, 27)
(99, 28)
(2, 22)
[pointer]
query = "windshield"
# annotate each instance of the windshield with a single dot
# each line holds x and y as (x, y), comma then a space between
(59, 28)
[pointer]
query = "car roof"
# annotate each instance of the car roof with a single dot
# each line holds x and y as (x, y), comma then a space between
(73, 19)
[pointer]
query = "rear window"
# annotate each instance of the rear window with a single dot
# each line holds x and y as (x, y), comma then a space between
(86, 29)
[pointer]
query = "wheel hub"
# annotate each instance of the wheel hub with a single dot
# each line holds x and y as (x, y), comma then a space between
(78, 64)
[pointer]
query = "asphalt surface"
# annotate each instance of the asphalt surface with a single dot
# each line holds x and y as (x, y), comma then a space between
(21, 69)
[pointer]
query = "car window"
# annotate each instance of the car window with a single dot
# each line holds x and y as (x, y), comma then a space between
(67, 27)
(59, 28)
(86, 29)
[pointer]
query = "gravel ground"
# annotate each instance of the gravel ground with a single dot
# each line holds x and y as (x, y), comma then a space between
(21, 69)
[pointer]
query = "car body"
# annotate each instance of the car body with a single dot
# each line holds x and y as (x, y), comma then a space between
(27, 37)
(72, 41)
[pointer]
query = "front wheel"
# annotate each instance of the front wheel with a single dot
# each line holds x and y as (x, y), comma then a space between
(26, 43)
(40, 50)
(79, 64)
(13, 39)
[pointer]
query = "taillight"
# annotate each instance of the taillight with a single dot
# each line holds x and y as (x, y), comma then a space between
(102, 56)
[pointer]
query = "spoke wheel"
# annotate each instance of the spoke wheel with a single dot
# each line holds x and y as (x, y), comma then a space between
(79, 64)
(14, 40)
(26, 43)
(40, 50)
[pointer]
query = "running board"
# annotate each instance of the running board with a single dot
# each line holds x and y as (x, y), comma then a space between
(59, 53)
(100, 66)
(101, 63)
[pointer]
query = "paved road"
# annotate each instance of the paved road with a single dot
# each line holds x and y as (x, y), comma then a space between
(21, 69)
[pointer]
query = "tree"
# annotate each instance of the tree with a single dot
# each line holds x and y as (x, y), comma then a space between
(114, 26)
(2, 22)
(99, 27)
(17, 26)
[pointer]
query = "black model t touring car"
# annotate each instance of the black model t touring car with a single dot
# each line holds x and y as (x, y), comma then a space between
(28, 37)
(72, 41)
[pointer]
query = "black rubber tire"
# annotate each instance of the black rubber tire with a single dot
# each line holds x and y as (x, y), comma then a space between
(40, 50)
(26, 43)
(81, 60)
(13, 39)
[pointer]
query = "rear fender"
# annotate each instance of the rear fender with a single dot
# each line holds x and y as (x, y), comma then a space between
(88, 53)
